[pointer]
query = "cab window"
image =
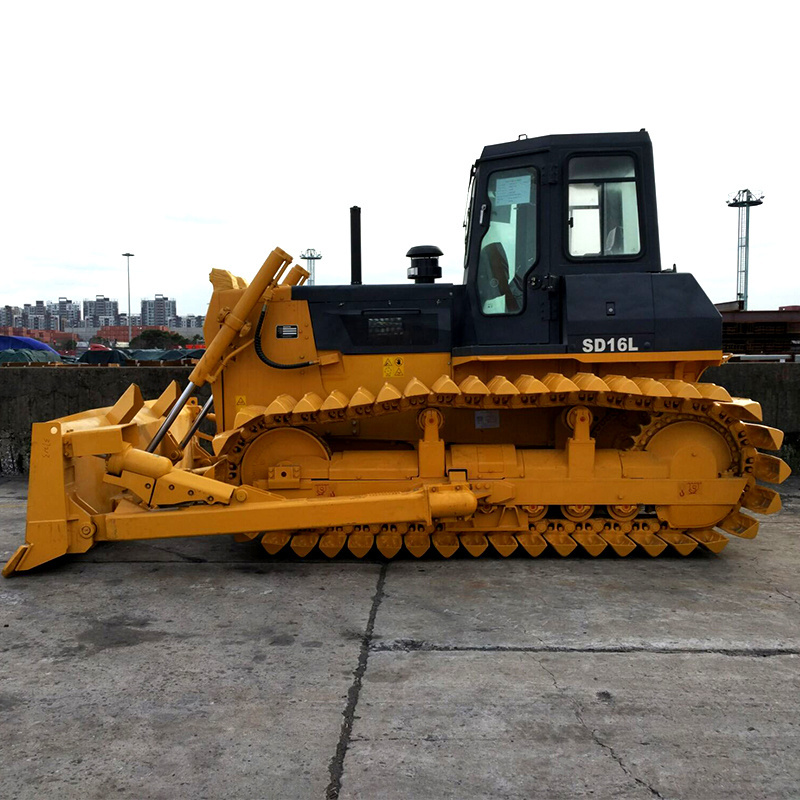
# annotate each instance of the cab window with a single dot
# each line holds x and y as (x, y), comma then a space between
(603, 214)
(508, 248)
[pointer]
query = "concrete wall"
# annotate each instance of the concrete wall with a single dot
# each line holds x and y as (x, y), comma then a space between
(37, 394)
(777, 388)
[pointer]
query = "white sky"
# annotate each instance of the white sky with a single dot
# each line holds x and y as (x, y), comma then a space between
(201, 135)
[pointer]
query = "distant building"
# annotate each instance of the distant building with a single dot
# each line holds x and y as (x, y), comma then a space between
(8, 314)
(100, 308)
(189, 321)
(136, 320)
(158, 311)
(37, 317)
(66, 312)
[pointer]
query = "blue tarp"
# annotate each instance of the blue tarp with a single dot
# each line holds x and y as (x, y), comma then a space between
(23, 343)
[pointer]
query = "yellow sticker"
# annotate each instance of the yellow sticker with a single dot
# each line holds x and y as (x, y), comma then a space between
(241, 400)
(394, 367)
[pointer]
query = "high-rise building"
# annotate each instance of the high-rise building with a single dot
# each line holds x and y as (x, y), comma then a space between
(66, 312)
(100, 307)
(158, 311)
(36, 317)
(8, 315)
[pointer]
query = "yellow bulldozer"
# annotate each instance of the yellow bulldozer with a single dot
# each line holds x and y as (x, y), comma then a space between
(550, 402)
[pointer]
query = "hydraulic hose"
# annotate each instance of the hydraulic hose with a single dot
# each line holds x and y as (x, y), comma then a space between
(264, 357)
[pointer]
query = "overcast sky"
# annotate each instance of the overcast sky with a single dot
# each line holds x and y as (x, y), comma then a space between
(199, 135)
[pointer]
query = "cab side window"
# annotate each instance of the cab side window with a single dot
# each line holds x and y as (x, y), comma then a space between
(508, 248)
(603, 214)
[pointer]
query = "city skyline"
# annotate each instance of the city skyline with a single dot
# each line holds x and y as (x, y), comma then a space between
(100, 311)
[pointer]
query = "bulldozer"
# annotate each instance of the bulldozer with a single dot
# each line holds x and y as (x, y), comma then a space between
(550, 403)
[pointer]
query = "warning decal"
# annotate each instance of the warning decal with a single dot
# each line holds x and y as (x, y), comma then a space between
(241, 400)
(394, 367)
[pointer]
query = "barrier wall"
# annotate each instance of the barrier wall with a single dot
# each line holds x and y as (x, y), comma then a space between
(37, 394)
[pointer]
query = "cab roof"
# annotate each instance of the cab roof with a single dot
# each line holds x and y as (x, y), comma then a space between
(582, 141)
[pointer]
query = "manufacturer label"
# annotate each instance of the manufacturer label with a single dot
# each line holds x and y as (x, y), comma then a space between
(286, 331)
(394, 367)
(614, 344)
(487, 419)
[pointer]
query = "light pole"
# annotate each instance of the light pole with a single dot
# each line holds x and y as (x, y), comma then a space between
(744, 200)
(130, 328)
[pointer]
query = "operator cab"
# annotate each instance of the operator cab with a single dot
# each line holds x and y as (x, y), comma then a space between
(558, 205)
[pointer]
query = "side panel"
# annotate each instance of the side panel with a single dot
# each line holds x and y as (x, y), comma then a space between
(648, 312)
(381, 319)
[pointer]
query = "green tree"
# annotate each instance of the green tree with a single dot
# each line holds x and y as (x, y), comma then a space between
(158, 340)
(70, 344)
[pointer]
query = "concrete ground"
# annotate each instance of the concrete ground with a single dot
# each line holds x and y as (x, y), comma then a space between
(201, 668)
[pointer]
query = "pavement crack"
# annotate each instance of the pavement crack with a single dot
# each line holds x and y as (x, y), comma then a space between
(578, 712)
(786, 595)
(336, 768)
(416, 645)
(182, 556)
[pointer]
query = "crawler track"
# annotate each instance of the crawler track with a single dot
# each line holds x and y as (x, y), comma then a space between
(644, 406)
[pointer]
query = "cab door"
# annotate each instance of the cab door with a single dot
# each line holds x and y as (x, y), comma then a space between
(511, 301)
